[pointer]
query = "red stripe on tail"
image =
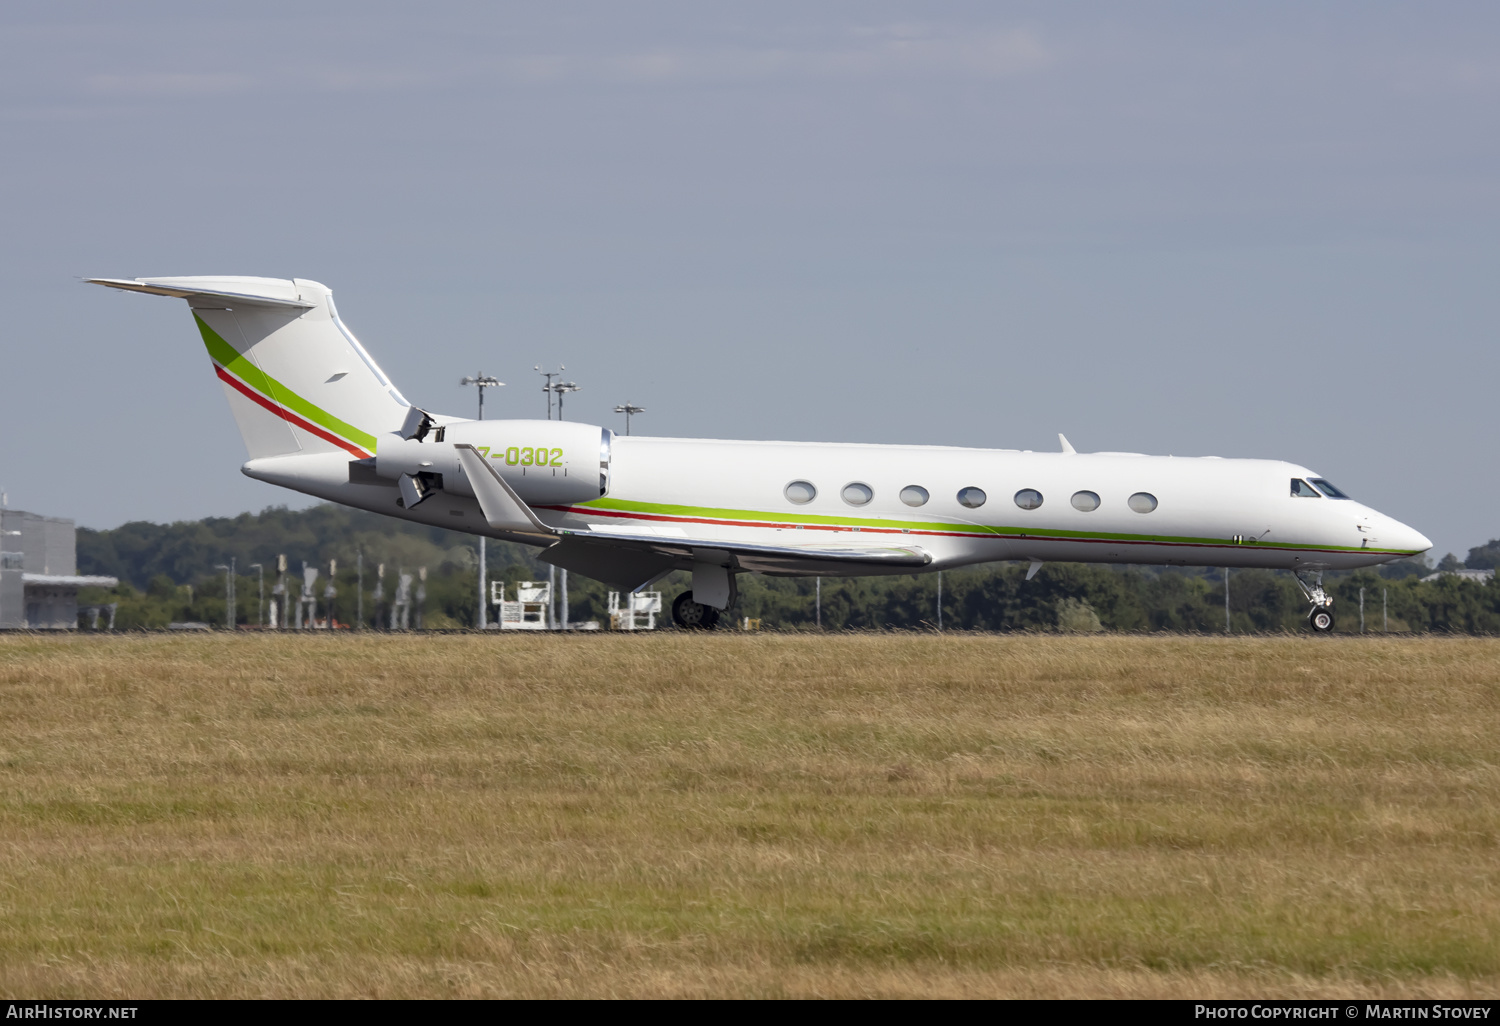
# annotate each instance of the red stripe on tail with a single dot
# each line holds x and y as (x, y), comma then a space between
(286, 415)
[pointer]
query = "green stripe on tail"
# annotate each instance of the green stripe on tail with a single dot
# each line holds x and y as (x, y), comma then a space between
(226, 356)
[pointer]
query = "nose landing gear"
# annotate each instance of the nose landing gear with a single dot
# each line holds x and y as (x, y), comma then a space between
(1311, 583)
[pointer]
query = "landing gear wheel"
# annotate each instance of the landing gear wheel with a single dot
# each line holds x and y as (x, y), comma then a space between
(693, 616)
(1311, 583)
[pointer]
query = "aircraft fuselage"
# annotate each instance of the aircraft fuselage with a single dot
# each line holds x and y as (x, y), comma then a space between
(1188, 511)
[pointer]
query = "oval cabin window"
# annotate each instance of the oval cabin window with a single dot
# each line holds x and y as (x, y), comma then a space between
(858, 494)
(801, 492)
(914, 495)
(1143, 502)
(1086, 502)
(1029, 498)
(972, 497)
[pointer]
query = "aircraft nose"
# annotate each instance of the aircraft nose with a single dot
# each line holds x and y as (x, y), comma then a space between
(1406, 539)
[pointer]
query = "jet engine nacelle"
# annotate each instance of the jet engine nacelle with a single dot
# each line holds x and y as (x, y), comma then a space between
(547, 462)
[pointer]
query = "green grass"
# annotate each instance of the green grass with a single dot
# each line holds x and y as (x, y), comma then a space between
(749, 815)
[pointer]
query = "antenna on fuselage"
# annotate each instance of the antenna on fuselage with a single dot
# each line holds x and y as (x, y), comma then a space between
(1067, 446)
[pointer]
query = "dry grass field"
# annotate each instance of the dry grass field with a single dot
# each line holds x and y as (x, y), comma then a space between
(756, 815)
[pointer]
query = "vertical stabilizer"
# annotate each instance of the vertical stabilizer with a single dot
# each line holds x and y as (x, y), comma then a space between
(296, 378)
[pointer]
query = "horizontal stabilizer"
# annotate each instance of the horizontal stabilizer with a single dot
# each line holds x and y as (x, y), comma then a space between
(257, 291)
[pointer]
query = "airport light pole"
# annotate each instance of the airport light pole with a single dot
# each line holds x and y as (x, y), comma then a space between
(331, 589)
(551, 570)
(628, 409)
(562, 388)
(421, 594)
(230, 613)
(260, 594)
(547, 388)
(482, 381)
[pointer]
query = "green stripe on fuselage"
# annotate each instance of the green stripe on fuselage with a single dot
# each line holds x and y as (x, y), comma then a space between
(754, 518)
(226, 356)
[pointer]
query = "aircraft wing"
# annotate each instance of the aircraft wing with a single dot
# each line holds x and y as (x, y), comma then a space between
(756, 556)
(630, 559)
(631, 556)
(617, 554)
(503, 509)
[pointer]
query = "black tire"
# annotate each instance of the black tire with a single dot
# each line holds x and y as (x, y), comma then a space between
(693, 616)
(1321, 619)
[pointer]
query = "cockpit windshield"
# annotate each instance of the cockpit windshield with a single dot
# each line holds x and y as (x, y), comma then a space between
(1328, 489)
(1302, 490)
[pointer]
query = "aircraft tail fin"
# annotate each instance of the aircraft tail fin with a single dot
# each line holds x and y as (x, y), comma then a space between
(296, 378)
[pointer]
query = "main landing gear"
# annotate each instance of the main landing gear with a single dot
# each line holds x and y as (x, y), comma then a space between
(1311, 583)
(693, 616)
(713, 583)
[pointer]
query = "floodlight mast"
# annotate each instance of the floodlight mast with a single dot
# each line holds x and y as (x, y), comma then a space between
(562, 388)
(551, 570)
(482, 381)
(628, 409)
(547, 388)
(230, 613)
(260, 594)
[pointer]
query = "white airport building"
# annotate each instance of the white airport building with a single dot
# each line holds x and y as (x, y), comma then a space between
(39, 577)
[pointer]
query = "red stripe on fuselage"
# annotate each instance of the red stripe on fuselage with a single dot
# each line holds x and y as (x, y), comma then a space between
(286, 415)
(589, 511)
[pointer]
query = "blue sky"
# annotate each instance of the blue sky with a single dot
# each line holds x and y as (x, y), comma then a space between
(1231, 229)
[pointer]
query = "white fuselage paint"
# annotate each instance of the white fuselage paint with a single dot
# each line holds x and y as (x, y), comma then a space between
(1204, 504)
(1210, 512)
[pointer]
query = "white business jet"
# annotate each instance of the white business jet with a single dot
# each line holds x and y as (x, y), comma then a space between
(318, 415)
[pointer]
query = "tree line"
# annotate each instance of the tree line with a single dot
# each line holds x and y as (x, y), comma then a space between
(167, 574)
